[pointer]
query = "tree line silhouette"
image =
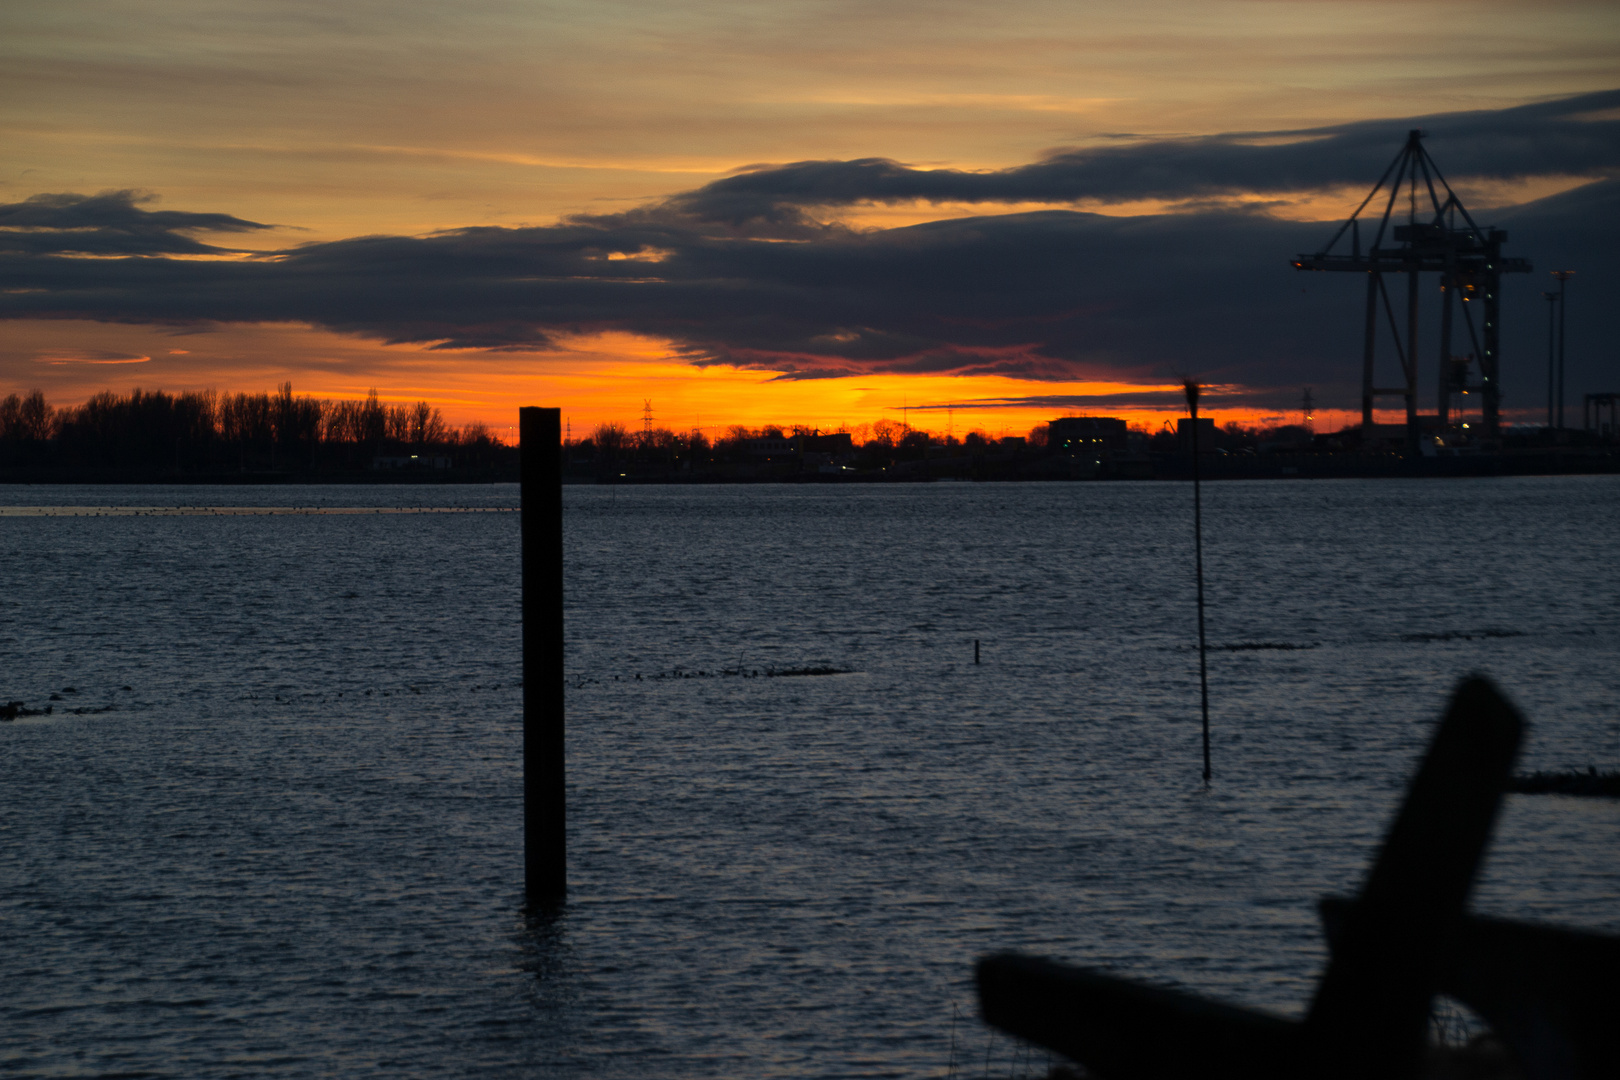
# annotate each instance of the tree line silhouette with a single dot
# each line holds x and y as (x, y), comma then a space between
(153, 433)
(878, 442)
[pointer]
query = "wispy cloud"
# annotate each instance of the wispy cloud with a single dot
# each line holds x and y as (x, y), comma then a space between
(81, 356)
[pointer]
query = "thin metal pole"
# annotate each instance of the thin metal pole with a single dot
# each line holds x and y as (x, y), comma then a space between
(1552, 362)
(1368, 346)
(545, 804)
(1563, 306)
(1448, 295)
(1412, 285)
(1198, 562)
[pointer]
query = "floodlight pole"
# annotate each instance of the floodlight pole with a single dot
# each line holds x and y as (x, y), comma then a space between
(1552, 355)
(1563, 277)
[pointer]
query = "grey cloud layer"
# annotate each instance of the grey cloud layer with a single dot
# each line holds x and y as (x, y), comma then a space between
(111, 223)
(1043, 295)
(1049, 295)
(1552, 138)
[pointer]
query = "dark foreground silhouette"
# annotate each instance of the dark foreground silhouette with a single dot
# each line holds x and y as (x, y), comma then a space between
(1548, 994)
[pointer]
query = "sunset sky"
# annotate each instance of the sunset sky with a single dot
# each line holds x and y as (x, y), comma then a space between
(803, 212)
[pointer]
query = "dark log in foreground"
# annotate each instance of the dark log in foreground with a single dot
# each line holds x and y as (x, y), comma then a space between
(1124, 1030)
(1371, 1011)
(1372, 1007)
(1549, 992)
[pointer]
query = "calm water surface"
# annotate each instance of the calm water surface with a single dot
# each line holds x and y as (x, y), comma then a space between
(291, 846)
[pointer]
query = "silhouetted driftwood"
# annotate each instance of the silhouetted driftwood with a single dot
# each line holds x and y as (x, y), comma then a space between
(1404, 939)
(1548, 992)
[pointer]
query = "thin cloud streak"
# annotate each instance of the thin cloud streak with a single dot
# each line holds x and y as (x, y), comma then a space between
(1168, 400)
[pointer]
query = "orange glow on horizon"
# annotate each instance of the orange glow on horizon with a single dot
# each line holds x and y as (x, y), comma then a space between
(604, 378)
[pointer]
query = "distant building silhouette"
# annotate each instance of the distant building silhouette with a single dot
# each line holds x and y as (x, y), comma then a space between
(808, 450)
(1206, 435)
(1086, 434)
(778, 447)
(411, 461)
(839, 442)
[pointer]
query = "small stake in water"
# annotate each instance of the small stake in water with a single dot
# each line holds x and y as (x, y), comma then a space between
(1191, 389)
(975, 650)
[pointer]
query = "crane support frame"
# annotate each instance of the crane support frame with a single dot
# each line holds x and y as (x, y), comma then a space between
(1439, 236)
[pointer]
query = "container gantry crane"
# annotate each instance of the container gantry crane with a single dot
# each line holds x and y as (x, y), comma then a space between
(1439, 236)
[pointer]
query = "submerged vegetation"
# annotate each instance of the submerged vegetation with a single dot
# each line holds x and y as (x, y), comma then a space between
(1570, 782)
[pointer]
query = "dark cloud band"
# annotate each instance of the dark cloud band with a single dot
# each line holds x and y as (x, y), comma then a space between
(111, 223)
(1567, 137)
(1048, 296)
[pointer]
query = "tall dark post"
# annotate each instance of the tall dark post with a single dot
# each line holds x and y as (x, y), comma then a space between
(545, 805)
(1368, 341)
(1448, 380)
(1490, 359)
(1552, 356)
(1412, 286)
(1563, 277)
(1191, 389)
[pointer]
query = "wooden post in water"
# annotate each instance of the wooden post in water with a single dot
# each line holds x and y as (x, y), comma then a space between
(545, 804)
(1191, 389)
(975, 650)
